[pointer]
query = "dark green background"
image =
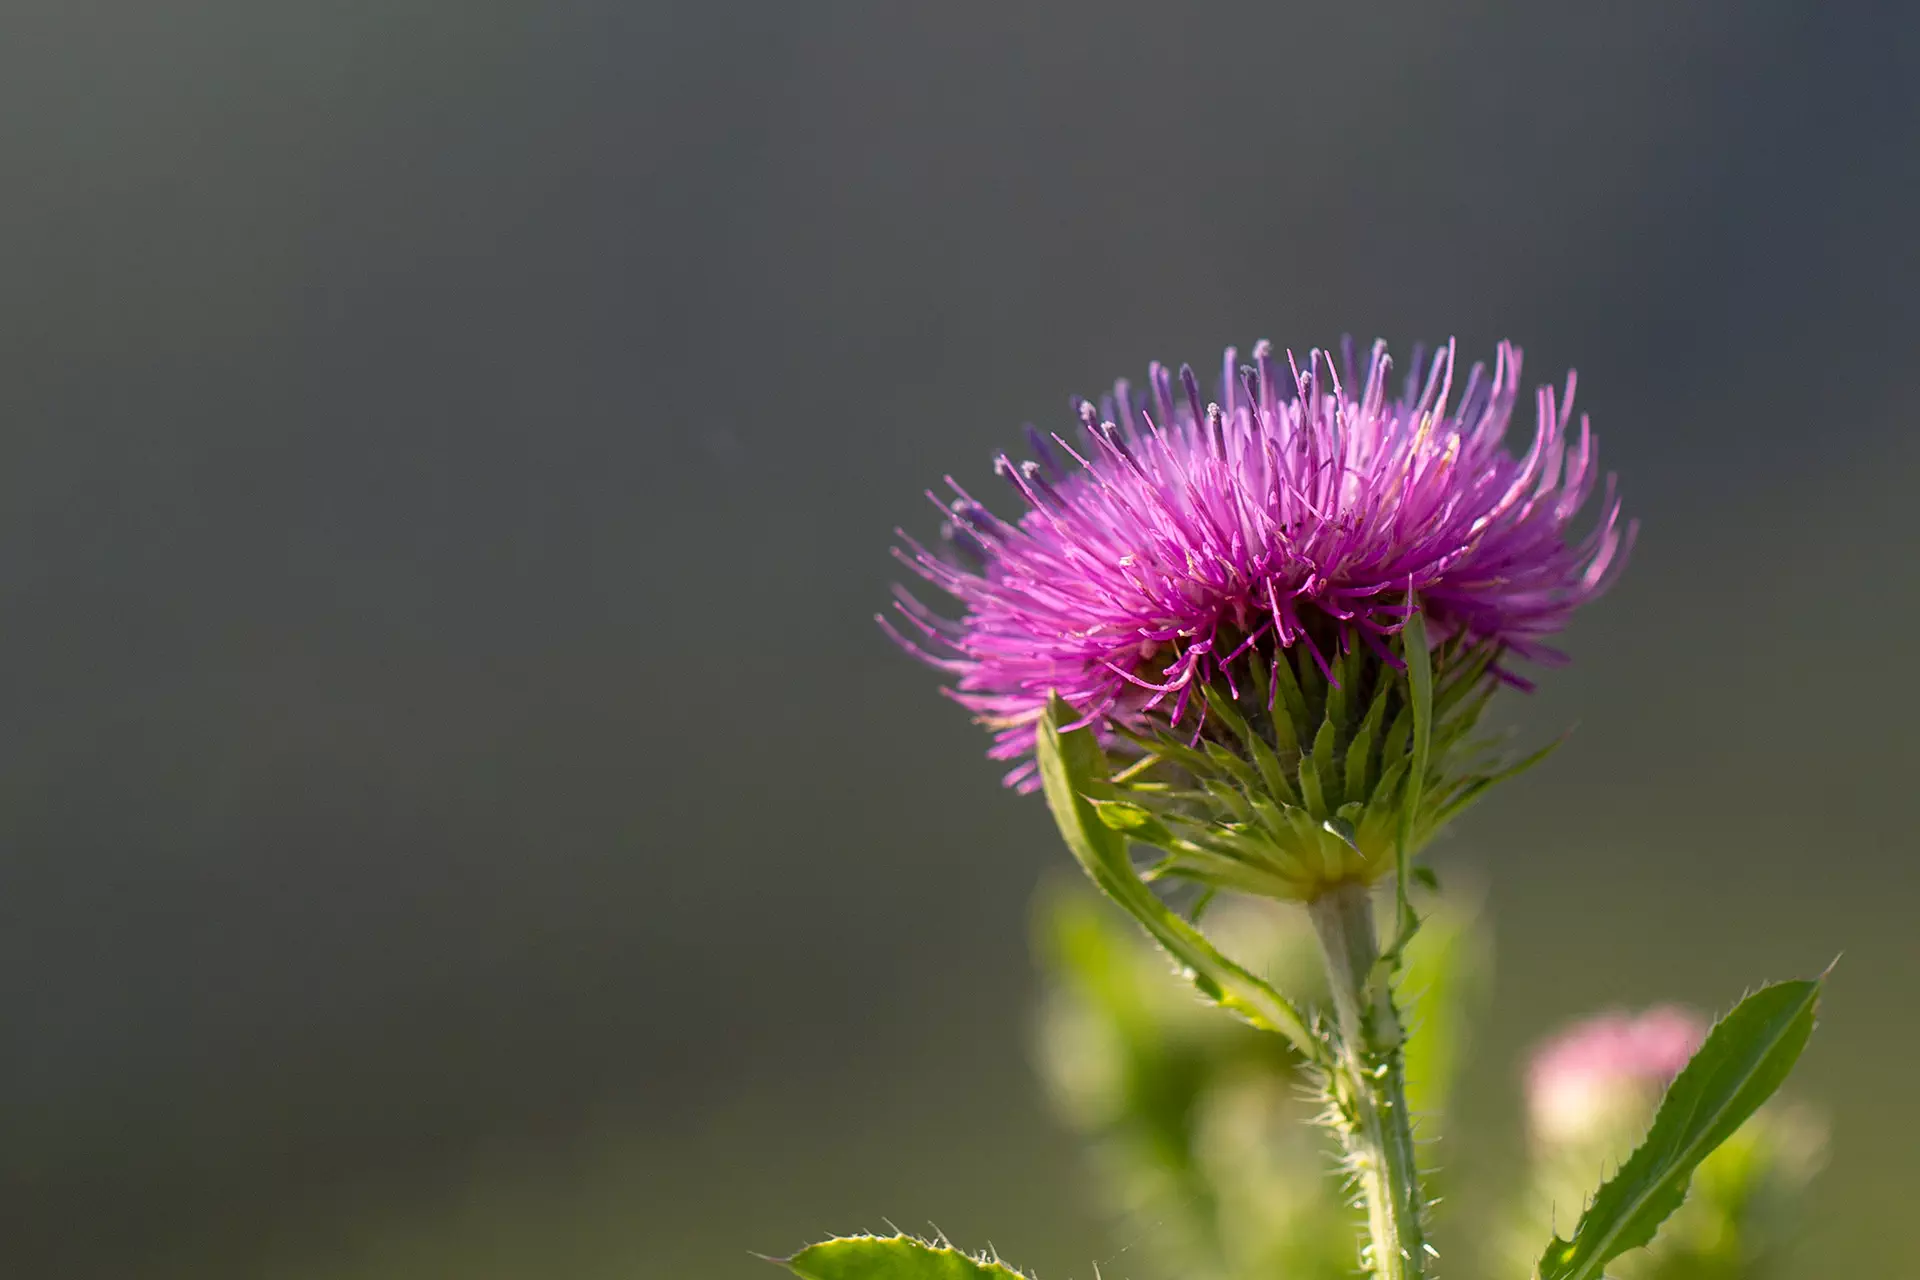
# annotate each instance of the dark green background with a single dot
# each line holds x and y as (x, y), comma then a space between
(456, 814)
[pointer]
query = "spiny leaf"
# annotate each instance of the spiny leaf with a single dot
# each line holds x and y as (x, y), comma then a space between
(893, 1258)
(1745, 1058)
(1073, 768)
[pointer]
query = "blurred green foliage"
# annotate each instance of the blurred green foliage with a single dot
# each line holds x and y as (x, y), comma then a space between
(1194, 1121)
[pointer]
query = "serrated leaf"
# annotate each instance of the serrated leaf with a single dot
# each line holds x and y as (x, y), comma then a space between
(1745, 1058)
(893, 1258)
(1074, 768)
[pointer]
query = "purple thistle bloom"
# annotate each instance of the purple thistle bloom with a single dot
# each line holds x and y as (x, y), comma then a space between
(1303, 508)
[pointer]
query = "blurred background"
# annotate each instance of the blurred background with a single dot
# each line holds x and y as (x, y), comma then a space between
(457, 816)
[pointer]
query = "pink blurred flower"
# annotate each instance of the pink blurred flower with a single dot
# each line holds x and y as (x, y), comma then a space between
(1608, 1070)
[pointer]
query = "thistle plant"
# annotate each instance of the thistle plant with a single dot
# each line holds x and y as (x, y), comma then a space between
(1243, 645)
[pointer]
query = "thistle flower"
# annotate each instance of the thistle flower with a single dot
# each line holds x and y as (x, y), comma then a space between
(1608, 1070)
(1188, 576)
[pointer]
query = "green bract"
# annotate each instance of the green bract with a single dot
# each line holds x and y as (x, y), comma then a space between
(1300, 781)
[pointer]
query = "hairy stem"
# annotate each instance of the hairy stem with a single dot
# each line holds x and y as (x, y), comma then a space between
(1369, 1084)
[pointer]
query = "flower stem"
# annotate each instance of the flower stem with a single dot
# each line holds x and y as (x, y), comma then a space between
(1368, 1084)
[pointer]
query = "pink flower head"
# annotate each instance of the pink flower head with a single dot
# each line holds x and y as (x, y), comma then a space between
(1302, 507)
(1584, 1078)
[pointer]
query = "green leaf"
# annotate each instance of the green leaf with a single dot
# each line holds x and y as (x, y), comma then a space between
(893, 1258)
(1745, 1058)
(1419, 660)
(1072, 770)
